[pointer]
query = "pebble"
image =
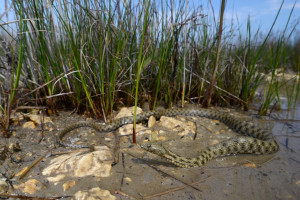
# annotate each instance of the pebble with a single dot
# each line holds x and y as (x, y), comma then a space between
(94, 194)
(3, 186)
(151, 122)
(68, 184)
(29, 125)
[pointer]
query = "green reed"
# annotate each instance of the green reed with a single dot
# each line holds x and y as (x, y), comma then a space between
(99, 55)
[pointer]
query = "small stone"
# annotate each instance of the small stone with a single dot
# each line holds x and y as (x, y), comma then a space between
(169, 122)
(31, 186)
(189, 123)
(214, 142)
(3, 152)
(34, 111)
(216, 121)
(127, 129)
(11, 146)
(56, 179)
(29, 125)
(3, 186)
(29, 154)
(217, 133)
(182, 119)
(38, 119)
(68, 184)
(162, 138)
(17, 158)
(124, 140)
(126, 112)
(50, 112)
(16, 123)
(127, 179)
(96, 163)
(153, 136)
(17, 117)
(151, 122)
(110, 134)
(14, 133)
(93, 194)
(253, 165)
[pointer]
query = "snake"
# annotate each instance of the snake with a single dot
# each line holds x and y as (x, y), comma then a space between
(252, 139)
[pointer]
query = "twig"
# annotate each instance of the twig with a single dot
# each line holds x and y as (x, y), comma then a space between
(5, 196)
(177, 179)
(123, 170)
(30, 107)
(123, 194)
(27, 169)
(174, 189)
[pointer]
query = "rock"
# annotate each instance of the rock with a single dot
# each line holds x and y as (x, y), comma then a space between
(96, 163)
(3, 186)
(127, 129)
(93, 194)
(34, 111)
(154, 136)
(68, 184)
(176, 125)
(214, 142)
(127, 179)
(252, 165)
(151, 122)
(17, 117)
(14, 146)
(56, 179)
(162, 138)
(3, 152)
(30, 186)
(29, 125)
(38, 119)
(217, 133)
(126, 112)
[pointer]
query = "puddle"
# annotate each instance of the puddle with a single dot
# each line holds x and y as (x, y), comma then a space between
(141, 175)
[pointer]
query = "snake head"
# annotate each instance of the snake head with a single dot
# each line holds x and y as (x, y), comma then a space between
(155, 148)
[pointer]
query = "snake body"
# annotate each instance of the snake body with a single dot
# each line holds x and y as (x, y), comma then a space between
(254, 140)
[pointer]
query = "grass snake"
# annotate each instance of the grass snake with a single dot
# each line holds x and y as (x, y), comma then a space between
(253, 140)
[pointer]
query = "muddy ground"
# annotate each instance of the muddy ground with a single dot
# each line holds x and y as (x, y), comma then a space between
(141, 175)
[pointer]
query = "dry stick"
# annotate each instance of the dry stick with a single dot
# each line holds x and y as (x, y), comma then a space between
(27, 169)
(174, 189)
(165, 173)
(213, 79)
(123, 170)
(215, 86)
(181, 181)
(42, 126)
(198, 124)
(5, 195)
(8, 9)
(123, 194)
(31, 107)
(45, 84)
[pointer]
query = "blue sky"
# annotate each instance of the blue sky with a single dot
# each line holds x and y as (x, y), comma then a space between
(261, 12)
